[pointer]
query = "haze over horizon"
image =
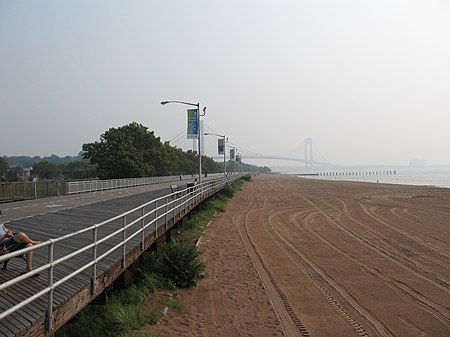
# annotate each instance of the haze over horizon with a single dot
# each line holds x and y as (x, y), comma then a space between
(368, 81)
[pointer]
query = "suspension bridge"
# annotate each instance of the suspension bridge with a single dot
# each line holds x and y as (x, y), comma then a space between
(181, 141)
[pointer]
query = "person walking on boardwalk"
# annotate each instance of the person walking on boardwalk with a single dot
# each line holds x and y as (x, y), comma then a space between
(10, 242)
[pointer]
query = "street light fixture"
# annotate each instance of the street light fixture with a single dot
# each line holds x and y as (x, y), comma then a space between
(198, 132)
(224, 158)
(234, 158)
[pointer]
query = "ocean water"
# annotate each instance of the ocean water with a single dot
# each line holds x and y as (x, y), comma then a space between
(424, 176)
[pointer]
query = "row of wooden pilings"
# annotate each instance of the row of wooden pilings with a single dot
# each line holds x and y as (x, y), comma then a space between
(358, 173)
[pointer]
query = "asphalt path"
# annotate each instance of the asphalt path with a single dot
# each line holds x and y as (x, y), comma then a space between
(18, 210)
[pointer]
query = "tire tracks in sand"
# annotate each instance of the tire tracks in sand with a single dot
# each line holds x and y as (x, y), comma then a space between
(363, 323)
(433, 308)
(291, 324)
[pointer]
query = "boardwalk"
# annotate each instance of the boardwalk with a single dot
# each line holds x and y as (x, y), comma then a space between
(55, 217)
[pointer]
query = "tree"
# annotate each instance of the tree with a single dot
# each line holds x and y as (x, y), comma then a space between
(80, 169)
(211, 166)
(129, 151)
(3, 168)
(46, 170)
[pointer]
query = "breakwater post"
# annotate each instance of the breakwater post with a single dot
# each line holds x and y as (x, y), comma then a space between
(352, 173)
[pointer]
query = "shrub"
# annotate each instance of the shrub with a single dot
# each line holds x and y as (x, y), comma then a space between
(152, 281)
(228, 190)
(135, 294)
(84, 325)
(121, 317)
(180, 263)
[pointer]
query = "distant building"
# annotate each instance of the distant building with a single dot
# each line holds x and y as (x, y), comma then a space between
(24, 174)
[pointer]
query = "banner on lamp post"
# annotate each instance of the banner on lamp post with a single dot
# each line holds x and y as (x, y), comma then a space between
(192, 124)
(220, 146)
(232, 154)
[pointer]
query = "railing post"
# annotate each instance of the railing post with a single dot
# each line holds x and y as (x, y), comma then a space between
(50, 285)
(94, 266)
(155, 218)
(165, 212)
(124, 237)
(142, 227)
(174, 206)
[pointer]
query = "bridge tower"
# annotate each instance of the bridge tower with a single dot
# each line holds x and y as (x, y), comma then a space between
(308, 152)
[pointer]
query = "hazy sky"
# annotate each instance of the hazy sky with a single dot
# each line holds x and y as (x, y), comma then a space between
(368, 81)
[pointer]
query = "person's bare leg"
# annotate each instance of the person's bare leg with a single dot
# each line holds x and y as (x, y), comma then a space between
(23, 238)
(29, 258)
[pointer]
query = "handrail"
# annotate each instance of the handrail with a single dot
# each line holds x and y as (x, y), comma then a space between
(85, 186)
(166, 207)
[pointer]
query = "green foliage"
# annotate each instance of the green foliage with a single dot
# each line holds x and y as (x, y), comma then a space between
(79, 169)
(174, 264)
(132, 151)
(179, 262)
(152, 281)
(125, 152)
(46, 170)
(124, 312)
(135, 294)
(211, 166)
(218, 204)
(172, 302)
(121, 317)
(228, 190)
(26, 161)
(233, 166)
(194, 227)
(84, 325)
(3, 166)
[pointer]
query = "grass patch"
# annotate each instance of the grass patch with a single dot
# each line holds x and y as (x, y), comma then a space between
(126, 311)
(172, 301)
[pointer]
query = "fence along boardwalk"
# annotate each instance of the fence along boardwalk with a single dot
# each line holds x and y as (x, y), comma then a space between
(73, 295)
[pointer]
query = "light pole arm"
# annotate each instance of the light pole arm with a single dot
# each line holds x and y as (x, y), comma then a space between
(181, 102)
(213, 134)
(198, 134)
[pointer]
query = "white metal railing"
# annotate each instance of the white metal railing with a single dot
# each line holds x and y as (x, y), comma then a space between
(146, 219)
(86, 186)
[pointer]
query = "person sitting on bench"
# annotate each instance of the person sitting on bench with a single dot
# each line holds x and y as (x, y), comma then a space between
(10, 242)
(191, 185)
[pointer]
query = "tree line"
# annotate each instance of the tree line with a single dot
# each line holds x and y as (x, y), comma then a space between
(129, 151)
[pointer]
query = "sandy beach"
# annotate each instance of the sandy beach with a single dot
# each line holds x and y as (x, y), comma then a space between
(301, 257)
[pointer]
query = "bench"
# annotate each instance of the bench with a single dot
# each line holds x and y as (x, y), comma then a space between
(191, 185)
(175, 189)
(17, 246)
(5, 263)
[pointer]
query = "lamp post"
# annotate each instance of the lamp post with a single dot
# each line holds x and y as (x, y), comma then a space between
(234, 159)
(224, 158)
(198, 133)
